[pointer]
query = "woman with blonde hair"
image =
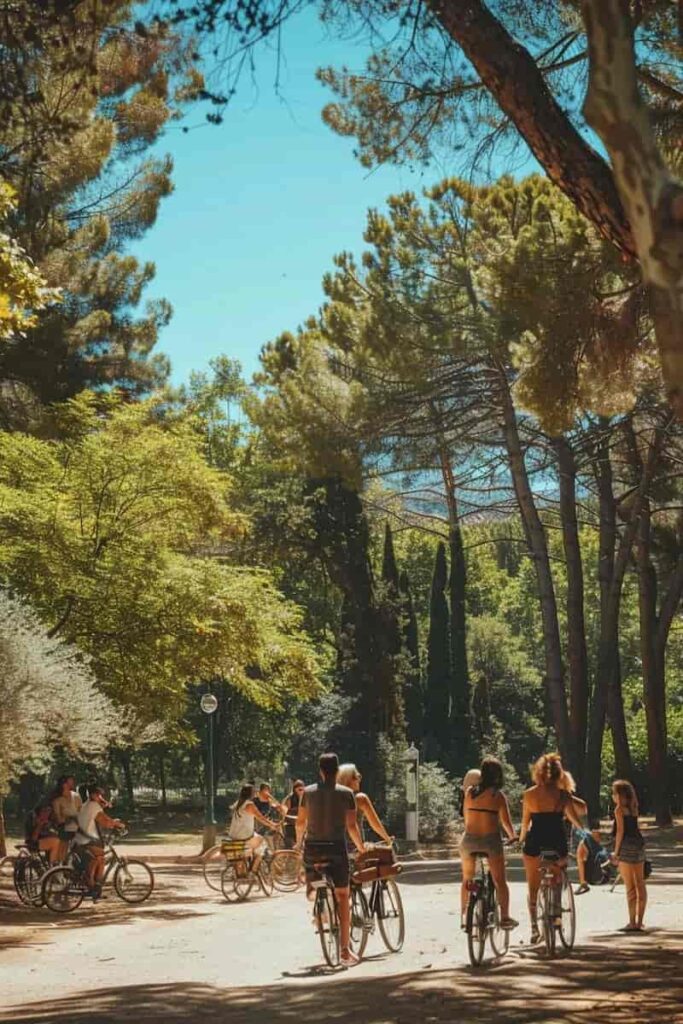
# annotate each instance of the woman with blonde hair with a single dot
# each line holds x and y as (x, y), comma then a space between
(351, 777)
(629, 851)
(545, 807)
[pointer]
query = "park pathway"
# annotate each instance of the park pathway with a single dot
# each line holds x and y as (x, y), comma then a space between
(187, 955)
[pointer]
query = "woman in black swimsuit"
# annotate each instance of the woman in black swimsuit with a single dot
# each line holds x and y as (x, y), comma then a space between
(485, 810)
(629, 851)
(544, 809)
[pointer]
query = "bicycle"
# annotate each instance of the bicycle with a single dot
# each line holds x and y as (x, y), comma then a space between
(239, 877)
(382, 908)
(556, 910)
(30, 866)
(483, 914)
(64, 887)
(326, 914)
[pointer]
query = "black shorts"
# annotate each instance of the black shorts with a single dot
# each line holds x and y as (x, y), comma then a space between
(534, 844)
(334, 855)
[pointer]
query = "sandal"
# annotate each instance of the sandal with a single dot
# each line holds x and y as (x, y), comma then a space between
(508, 923)
(535, 937)
(584, 887)
(349, 959)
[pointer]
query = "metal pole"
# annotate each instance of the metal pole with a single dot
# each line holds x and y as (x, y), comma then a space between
(208, 705)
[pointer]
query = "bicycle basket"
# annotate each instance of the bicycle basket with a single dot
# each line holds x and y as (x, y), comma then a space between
(233, 849)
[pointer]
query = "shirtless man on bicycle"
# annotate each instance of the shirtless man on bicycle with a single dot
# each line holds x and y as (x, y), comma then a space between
(327, 812)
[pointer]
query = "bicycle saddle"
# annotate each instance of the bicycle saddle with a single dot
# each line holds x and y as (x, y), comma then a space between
(550, 855)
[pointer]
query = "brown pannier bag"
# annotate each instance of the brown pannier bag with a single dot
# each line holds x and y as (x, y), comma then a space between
(375, 862)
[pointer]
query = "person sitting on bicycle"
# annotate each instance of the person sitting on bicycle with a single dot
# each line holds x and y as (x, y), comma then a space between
(592, 859)
(66, 803)
(365, 810)
(41, 833)
(290, 806)
(267, 805)
(245, 814)
(545, 807)
(327, 812)
(92, 818)
(485, 809)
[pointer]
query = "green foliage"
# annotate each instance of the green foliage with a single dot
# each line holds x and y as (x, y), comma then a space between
(74, 152)
(437, 795)
(108, 532)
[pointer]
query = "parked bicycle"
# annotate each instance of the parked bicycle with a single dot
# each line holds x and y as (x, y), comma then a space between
(65, 886)
(239, 875)
(556, 909)
(483, 916)
(383, 907)
(28, 870)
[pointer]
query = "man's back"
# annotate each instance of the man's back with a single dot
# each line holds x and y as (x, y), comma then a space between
(327, 805)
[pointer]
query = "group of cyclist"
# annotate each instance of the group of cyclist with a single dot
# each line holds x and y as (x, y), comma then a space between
(546, 808)
(68, 819)
(325, 820)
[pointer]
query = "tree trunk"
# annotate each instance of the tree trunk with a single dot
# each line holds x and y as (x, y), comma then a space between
(538, 550)
(124, 758)
(654, 632)
(579, 690)
(515, 81)
(3, 833)
(652, 198)
(461, 697)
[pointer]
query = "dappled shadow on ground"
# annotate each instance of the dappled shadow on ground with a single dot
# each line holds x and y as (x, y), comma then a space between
(638, 981)
(172, 900)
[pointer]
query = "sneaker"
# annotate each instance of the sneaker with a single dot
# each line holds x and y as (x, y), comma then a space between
(584, 887)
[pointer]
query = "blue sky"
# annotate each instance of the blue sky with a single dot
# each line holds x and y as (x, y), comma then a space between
(261, 204)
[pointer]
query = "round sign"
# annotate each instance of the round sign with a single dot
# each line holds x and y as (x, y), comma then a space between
(208, 703)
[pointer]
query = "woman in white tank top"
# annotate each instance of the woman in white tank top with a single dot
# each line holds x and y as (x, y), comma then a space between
(244, 815)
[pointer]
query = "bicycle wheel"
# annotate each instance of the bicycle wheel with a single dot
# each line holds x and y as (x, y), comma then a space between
(390, 916)
(285, 870)
(214, 866)
(265, 878)
(327, 923)
(360, 920)
(228, 882)
(500, 937)
(568, 920)
(243, 881)
(62, 890)
(476, 929)
(133, 881)
(28, 875)
(546, 916)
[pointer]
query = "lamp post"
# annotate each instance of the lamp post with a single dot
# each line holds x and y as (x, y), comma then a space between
(412, 763)
(209, 705)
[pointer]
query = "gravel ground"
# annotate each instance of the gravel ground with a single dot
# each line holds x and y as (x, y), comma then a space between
(187, 955)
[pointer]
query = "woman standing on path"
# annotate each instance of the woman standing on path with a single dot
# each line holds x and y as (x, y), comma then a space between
(544, 809)
(629, 851)
(290, 805)
(485, 809)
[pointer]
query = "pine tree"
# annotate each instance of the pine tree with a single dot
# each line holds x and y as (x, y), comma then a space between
(439, 679)
(75, 157)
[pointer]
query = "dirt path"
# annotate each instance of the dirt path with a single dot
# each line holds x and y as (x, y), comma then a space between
(187, 955)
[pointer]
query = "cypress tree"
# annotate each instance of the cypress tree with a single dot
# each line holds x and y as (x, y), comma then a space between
(439, 680)
(413, 690)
